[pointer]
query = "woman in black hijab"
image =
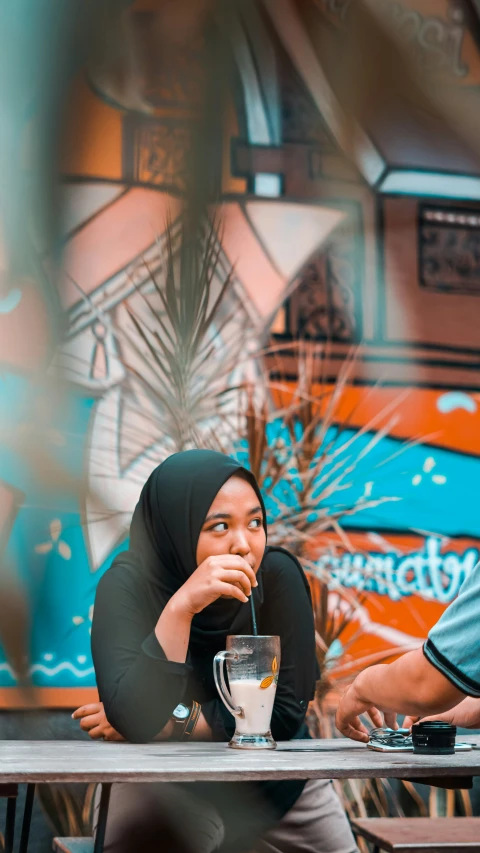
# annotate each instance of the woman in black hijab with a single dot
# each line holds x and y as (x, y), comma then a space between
(162, 611)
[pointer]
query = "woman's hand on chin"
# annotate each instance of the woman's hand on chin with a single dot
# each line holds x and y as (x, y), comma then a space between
(93, 720)
(222, 576)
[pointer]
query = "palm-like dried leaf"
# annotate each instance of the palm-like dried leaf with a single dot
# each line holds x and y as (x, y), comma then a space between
(183, 344)
(304, 461)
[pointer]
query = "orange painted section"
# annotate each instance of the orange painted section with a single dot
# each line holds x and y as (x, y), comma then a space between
(47, 697)
(231, 184)
(416, 415)
(92, 145)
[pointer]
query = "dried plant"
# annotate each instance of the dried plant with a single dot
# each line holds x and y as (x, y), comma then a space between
(182, 344)
(301, 453)
(362, 797)
(305, 453)
(336, 611)
(68, 808)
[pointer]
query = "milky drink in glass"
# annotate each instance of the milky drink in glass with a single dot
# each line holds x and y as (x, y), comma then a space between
(253, 665)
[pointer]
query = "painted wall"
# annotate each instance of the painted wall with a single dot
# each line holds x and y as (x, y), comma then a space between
(316, 251)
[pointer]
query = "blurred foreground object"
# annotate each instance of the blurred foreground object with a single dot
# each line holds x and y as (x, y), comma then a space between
(35, 70)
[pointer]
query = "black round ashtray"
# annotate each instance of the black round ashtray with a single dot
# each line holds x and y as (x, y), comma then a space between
(434, 737)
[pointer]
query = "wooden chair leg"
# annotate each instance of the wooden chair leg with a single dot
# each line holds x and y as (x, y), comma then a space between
(27, 818)
(102, 817)
(10, 824)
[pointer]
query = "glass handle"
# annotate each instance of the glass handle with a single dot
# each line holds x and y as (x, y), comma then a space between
(221, 684)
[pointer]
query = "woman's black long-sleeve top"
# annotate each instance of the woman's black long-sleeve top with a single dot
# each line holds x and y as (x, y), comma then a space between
(140, 688)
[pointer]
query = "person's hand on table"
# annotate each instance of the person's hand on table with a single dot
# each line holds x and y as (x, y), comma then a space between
(410, 685)
(465, 715)
(93, 720)
(348, 715)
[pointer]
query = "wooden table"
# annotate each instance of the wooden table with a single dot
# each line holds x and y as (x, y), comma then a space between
(35, 762)
(97, 761)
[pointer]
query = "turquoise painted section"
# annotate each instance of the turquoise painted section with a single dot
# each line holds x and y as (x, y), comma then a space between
(434, 490)
(60, 590)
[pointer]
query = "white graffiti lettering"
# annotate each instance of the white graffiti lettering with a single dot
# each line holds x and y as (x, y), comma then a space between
(432, 575)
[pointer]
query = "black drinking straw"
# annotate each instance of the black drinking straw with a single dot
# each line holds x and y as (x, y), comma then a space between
(254, 618)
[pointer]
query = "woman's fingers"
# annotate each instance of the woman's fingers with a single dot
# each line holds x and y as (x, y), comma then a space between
(87, 710)
(95, 723)
(96, 733)
(112, 734)
(234, 576)
(227, 575)
(92, 719)
(233, 561)
(231, 591)
(88, 723)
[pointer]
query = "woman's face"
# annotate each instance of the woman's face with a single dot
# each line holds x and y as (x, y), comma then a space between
(233, 525)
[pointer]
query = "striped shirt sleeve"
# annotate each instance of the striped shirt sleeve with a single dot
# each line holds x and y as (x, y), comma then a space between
(453, 644)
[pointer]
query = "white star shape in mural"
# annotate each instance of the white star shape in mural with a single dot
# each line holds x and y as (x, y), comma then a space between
(428, 467)
(55, 543)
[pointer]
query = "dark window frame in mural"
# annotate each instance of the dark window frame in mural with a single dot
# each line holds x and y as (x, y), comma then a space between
(300, 117)
(164, 142)
(449, 249)
(325, 304)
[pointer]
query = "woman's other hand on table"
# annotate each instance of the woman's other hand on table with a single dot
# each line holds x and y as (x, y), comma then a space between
(93, 720)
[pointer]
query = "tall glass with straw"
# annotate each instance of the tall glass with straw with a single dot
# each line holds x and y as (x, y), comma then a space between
(253, 665)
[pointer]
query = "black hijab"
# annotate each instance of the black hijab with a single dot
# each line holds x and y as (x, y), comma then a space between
(168, 520)
(164, 532)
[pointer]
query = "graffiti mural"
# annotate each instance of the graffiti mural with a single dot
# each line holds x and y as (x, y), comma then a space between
(379, 252)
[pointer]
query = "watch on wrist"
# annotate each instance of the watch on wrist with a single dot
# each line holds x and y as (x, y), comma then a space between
(180, 718)
(192, 721)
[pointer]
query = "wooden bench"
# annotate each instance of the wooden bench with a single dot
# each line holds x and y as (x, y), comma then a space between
(420, 834)
(392, 835)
